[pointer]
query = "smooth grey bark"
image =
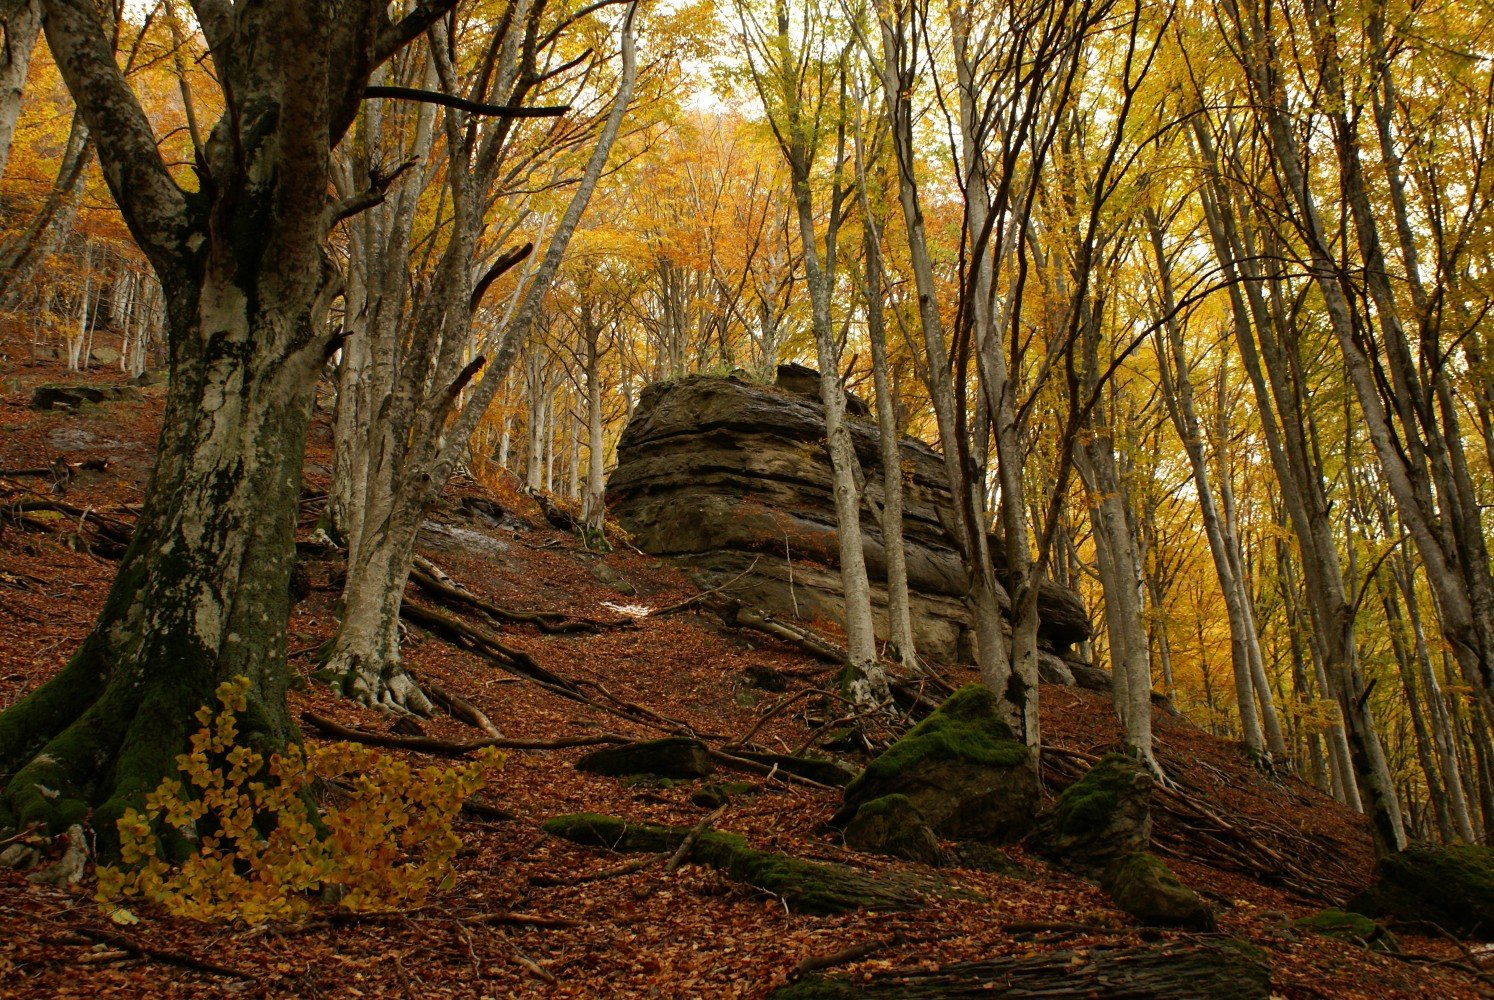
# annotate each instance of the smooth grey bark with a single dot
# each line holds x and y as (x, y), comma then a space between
(21, 23)
(896, 70)
(24, 252)
(1335, 612)
(795, 114)
(899, 615)
(202, 593)
(427, 402)
(1177, 385)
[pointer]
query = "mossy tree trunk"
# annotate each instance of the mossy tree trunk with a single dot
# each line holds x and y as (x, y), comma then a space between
(202, 592)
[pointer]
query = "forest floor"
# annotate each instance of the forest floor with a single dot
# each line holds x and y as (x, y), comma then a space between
(1265, 849)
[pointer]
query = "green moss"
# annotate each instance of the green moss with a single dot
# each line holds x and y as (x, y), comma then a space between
(817, 988)
(805, 886)
(964, 727)
(1353, 927)
(1088, 804)
(718, 793)
(1144, 887)
(1452, 887)
(647, 781)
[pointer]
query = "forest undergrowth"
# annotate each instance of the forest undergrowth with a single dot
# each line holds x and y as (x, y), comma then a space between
(533, 915)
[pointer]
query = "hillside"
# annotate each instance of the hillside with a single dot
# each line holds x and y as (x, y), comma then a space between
(520, 921)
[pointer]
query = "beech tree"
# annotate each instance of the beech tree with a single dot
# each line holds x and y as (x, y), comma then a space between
(802, 83)
(239, 247)
(410, 400)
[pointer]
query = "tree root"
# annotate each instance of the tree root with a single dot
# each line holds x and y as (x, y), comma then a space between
(384, 686)
(447, 748)
(435, 582)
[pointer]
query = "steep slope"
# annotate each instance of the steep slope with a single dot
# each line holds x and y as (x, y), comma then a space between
(1265, 850)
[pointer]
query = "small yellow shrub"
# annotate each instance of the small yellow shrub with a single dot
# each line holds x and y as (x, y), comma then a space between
(261, 849)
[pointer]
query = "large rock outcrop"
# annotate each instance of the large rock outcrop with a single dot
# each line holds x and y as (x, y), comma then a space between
(734, 476)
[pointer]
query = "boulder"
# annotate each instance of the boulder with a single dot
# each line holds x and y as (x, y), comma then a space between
(1052, 670)
(56, 396)
(732, 477)
(1103, 816)
(1452, 887)
(961, 769)
(1353, 927)
(1144, 887)
(672, 757)
(892, 825)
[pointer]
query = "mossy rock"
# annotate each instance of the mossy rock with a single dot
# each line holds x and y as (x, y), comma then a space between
(672, 757)
(1355, 927)
(1452, 887)
(804, 886)
(1144, 887)
(648, 781)
(961, 768)
(821, 769)
(56, 396)
(609, 577)
(892, 825)
(720, 793)
(1103, 816)
(1203, 969)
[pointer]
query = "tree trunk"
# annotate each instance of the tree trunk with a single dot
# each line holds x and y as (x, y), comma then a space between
(22, 22)
(202, 594)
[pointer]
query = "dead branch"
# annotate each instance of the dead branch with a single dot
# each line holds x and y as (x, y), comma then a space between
(855, 953)
(85, 935)
(445, 748)
(436, 582)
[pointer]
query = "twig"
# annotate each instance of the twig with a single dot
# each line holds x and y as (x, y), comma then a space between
(617, 871)
(700, 598)
(522, 920)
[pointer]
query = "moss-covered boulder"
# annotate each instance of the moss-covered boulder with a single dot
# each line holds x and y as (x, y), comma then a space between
(892, 825)
(1452, 887)
(1355, 927)
(804, 886)
(961, 768)
(673, 757)
(1144, 887)
(1103, 816)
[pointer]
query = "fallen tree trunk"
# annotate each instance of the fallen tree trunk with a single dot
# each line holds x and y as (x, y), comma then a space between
(1202, 969)
(447, 748)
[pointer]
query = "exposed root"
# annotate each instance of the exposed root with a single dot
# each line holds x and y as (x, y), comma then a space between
(381, 685)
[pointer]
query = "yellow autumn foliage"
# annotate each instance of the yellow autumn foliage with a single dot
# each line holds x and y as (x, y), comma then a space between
(263, 851)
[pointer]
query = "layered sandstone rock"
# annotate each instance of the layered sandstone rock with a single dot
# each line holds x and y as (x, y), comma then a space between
(733, 477)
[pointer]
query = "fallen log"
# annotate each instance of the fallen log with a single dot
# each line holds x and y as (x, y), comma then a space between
(447, 748)
(1201, 969)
